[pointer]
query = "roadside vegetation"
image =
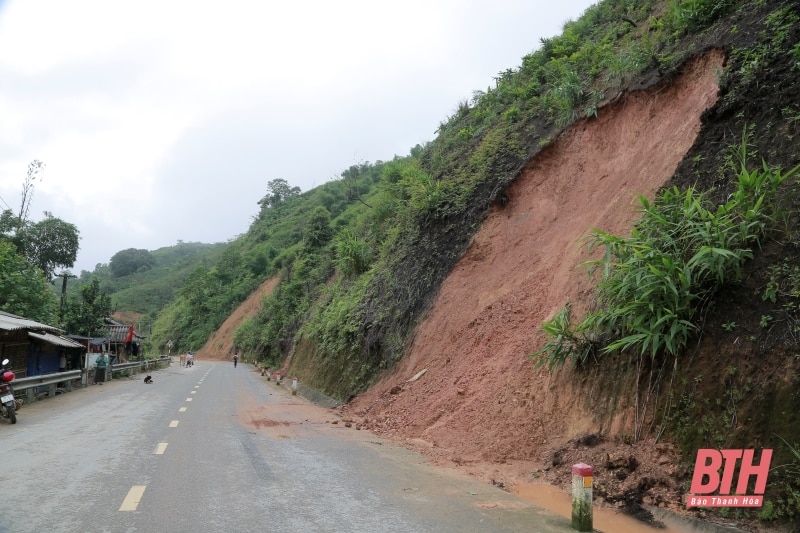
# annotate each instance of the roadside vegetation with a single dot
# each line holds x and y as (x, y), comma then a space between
(653, 285)
(31, 252)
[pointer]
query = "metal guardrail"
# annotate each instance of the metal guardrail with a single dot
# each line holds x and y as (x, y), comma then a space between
(139, 366)
(125, 366)
(31, 383)
(21, 384)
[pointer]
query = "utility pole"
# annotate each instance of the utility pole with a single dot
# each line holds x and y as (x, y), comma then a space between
(64, 276)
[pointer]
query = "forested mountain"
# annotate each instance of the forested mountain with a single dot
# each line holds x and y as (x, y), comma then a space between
(141, 282)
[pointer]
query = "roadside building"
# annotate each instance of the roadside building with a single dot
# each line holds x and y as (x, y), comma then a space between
(123, 341)
(114, 342)
(34, 348)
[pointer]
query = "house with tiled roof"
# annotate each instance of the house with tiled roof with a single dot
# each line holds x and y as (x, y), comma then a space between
(117, 339)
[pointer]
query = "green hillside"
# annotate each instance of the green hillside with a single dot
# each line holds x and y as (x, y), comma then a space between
(148, 288)
(360, 258)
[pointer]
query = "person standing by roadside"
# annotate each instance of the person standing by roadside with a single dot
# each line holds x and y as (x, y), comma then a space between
(62, 363)
(100, 368)
(235, 359)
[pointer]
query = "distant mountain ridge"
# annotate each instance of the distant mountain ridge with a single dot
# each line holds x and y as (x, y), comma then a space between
(145, 293)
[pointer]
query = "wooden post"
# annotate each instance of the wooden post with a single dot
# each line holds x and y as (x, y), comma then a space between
(582, 497)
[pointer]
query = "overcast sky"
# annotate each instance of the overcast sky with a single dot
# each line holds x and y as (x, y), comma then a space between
(160, 121)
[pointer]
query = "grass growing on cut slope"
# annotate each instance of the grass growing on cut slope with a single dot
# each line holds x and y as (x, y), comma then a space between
(652, 284)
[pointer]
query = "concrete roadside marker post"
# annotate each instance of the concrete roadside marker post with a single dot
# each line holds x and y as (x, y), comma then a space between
(294, 386)
(582, 497)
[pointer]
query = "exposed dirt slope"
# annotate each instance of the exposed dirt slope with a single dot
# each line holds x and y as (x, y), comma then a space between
(220, 345)
(467, 393)
(480, 403)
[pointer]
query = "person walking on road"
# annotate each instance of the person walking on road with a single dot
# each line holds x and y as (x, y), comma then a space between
(235, 359)
(100, 368)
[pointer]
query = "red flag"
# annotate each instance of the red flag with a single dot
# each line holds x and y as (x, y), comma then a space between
(129, 337)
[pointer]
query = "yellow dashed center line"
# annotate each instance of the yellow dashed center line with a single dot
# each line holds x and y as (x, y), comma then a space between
(131, 501)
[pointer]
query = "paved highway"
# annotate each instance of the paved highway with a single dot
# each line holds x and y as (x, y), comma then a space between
(216, 448)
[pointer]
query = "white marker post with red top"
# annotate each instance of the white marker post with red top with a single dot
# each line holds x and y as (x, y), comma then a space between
(582, 497)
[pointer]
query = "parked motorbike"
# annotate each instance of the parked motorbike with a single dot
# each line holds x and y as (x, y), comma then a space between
(8, 405)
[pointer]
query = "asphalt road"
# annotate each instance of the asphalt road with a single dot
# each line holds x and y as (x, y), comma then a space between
(217, 448)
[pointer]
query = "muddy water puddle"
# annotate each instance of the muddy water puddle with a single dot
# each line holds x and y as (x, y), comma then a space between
(605, 520)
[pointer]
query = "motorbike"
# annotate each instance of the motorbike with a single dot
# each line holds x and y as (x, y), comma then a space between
(8, 405)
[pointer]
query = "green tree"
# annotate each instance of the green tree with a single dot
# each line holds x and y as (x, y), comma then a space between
(85, 316)
(350, 178)
(318, 230)
(49, 243)
(9, 224)
(130, 261)
(24, 291)
(278, 191)
(198, 289)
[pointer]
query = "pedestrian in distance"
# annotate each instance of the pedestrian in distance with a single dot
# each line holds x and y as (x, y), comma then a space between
(235, 359)
(100, 365)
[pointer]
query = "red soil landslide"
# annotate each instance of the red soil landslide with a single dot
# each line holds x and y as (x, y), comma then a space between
(481, 405)
(467, 394)
(220, 345)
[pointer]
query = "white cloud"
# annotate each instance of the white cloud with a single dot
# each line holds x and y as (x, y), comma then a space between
(164, 120)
